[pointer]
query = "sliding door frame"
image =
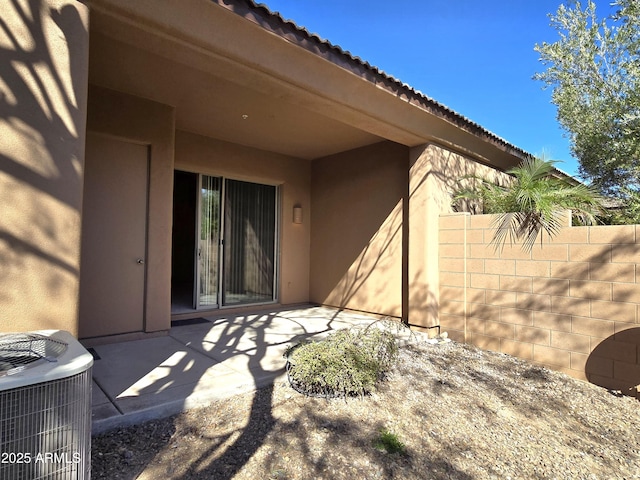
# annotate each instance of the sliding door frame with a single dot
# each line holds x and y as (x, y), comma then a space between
(221, 245)
(197, 273)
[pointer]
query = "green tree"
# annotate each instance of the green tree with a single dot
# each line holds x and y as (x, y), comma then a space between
(594, 71)
(535, 202)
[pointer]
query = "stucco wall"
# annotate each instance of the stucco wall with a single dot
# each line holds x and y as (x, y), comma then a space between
(435, 173)
(43, 89)
(357, 220)
(572, 304)
(150, 123)
(374, 235)
(209, 156)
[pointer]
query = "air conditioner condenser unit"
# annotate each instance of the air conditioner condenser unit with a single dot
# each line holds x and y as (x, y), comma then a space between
(45, 407)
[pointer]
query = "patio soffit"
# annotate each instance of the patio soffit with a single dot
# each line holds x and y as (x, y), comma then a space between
(233, 77)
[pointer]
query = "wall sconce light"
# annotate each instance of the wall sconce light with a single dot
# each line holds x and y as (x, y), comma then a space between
(297, 214)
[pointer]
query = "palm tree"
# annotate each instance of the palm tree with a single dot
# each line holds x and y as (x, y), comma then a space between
(535, 201)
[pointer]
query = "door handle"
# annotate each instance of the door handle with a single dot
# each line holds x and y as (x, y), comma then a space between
(140, 261)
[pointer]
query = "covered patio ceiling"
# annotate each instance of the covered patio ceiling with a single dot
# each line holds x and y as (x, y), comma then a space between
(256, 111)
(230, 78)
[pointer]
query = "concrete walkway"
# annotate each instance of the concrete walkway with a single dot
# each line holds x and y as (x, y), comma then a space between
(201, 361)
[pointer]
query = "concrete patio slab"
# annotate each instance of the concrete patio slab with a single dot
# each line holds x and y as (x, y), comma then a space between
(196, 364)
(144, 366)
(101, 406)
(98, 397)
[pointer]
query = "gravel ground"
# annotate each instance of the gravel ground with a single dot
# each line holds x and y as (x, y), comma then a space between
(461, 412)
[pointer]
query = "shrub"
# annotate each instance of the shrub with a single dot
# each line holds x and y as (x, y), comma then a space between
(389, 442)
(348, 362)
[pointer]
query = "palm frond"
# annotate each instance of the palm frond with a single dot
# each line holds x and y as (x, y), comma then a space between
(535, 203)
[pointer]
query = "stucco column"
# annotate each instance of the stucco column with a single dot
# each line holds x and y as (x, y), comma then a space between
(422, 302)
(44, 56)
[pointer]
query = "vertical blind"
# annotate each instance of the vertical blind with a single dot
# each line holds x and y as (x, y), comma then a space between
(249, 242)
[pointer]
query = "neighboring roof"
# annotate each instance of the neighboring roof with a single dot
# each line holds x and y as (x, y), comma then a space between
(287, 29)
(565, 176)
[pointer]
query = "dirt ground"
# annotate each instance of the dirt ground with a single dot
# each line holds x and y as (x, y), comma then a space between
(461, 412)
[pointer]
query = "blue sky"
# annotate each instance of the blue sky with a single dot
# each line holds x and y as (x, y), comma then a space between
(475, 57)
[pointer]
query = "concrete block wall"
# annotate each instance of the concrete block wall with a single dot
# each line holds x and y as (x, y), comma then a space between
(571, 304)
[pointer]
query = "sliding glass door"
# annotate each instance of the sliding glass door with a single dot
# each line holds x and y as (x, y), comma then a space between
(236, 262)
(249, 243)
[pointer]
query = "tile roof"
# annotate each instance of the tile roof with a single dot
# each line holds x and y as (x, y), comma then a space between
(287, 29)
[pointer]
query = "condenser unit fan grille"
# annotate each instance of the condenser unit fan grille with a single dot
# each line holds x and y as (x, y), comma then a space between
(20, 350)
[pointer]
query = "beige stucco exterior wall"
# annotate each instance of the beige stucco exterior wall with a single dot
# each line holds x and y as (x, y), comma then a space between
(572, 304)
(374, 235)
(43, 89)
(434, 174)
(357, 229)
(150, 123)
(209, 156)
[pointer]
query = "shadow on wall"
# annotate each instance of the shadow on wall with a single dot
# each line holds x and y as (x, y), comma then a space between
(361, 227)
(43, 62)
(585, 291)
(453, 172)
(357, 221)
(370, 276)
(614, 365)
(435, 174)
